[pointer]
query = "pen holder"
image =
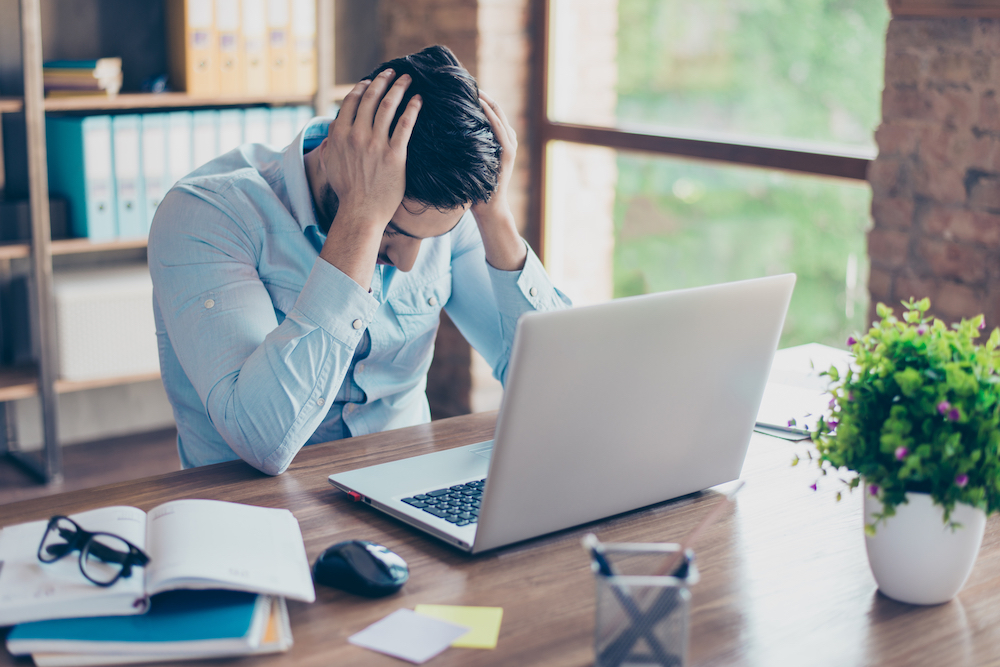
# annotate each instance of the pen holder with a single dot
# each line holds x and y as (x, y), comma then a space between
(641, 618)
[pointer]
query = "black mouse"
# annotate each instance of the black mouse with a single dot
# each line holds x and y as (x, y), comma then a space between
(362, 568)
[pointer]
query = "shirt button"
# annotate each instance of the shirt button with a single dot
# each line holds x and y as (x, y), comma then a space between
(350, 408)
(210, 303)
(432, 301)
(533, 291)
(358, 324)
(320, 401)
(359, 368)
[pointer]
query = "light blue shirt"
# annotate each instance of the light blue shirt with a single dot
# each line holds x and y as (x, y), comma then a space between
(265, 348)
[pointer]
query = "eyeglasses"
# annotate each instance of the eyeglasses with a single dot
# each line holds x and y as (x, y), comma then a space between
(104, 558)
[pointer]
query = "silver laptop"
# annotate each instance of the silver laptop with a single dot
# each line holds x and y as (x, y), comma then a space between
(607, 409)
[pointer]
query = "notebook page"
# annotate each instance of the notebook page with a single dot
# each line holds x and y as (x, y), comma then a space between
(216, 544)
(31, 590)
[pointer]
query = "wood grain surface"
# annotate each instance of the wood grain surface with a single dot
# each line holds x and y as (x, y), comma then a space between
(784, 576)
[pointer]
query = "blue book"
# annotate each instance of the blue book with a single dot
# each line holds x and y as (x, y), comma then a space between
(181, 621)
(80, 165)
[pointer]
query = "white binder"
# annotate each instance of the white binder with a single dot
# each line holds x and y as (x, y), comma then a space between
(257, 126)
(128, 176)
(178, 145)
(155, 174)
(255, 58)
(230, 129)
(282, 127)
(204, 136)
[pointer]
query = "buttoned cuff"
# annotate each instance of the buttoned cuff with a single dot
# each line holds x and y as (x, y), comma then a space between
(531, 283)
(336, 303)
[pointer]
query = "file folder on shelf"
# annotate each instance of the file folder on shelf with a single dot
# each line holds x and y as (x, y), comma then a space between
(80, 167)
(303, 115)
(282, 126)
(255, 60)
(257, 126)
(129, 189)
(204, 136)
(278, 46)
(193, 47)
(303, 62)
(230, 129)
(155, 174)
(179, 145)
(227, 28)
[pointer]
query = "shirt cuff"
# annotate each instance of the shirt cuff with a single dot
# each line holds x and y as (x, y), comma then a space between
(531, 283)
(336, 303)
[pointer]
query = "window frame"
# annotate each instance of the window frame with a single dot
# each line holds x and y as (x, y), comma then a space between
(799, 157)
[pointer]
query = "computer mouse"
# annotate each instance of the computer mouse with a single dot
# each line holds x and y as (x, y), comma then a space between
(362, 568)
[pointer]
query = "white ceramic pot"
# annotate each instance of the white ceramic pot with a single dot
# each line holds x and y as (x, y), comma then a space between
(915, 557)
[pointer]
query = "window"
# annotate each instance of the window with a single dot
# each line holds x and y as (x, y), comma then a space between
(688, 142)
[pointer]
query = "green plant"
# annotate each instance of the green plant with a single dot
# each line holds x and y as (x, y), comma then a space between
(918, 410)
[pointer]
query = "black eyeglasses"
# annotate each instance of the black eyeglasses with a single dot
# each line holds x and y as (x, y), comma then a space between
(104, 558)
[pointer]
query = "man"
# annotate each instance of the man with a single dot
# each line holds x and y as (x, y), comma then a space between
(297, 293)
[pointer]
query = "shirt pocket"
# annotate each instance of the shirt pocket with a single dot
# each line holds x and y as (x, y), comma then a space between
(418, 311)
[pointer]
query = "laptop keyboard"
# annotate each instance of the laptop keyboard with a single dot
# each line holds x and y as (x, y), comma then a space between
(458, 504)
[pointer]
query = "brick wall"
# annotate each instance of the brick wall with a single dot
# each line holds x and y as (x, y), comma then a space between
(936, 181)
(491, 39)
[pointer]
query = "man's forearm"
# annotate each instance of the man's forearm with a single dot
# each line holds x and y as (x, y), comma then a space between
(504, 247)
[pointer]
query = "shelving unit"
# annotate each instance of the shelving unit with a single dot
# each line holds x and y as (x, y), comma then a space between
(40, 380)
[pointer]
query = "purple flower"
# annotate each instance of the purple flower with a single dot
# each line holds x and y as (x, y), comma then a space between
(982, 325)
(850, 396)
(961, 480)
(922, 329)
(953, 414)
(851, 341)
(813, 486)
(832, 423)
(873, 489)
(943, 407)
(901, 453)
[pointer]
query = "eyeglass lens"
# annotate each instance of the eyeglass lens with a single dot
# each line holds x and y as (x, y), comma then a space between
(60, 539)
(102, 556)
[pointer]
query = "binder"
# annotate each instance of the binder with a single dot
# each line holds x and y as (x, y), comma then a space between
(193, 46)
(204, 136)
(179, 145)
(303, 114)
(279, 47)
(80, 169)
(257, 125)
(129, 189)
(304, 47)
(230, 130)
(227, 27)
(282, 127)
(155, 173)
(253, 15)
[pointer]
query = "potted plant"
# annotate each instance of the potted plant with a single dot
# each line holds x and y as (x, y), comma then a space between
(916, 418)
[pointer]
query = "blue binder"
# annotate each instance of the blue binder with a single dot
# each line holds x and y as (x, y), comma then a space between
(80, 166)
(129, 189)
(205, 136)
(178, 146)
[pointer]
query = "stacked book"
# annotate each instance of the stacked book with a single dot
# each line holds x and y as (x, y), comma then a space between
(215, 585)
(71, 78)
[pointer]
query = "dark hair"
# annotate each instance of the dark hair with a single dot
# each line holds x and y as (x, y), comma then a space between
(453, 158)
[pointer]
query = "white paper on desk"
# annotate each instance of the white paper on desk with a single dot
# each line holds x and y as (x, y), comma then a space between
(408, 635)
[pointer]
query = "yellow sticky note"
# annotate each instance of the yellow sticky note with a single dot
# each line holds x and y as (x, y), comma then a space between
(483, 621)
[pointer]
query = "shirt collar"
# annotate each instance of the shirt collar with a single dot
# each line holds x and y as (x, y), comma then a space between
(294, 167)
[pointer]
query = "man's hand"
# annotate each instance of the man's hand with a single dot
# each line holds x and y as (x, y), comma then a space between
(504, 248)
(366, 168)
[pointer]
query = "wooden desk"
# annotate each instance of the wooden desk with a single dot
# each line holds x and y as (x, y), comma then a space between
(785, 579)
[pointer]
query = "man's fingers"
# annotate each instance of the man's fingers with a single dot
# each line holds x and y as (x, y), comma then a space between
(387, 107)
(373, 96)
(349, 107)
(401, 135)
(499, 129)
(498, 110)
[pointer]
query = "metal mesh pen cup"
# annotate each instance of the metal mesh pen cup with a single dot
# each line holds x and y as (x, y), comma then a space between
(642, 619)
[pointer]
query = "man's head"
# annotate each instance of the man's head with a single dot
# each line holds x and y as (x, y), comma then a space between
(453, 159)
